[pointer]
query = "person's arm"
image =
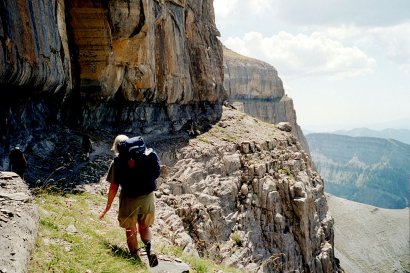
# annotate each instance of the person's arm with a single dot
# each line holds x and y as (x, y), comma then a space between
(112, 192)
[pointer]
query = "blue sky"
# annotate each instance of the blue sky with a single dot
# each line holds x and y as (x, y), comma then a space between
(345, 63)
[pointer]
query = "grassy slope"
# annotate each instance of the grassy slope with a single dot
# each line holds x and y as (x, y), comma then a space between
(97, 246)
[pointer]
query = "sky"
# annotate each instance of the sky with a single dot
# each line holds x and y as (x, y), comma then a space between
(345, 63)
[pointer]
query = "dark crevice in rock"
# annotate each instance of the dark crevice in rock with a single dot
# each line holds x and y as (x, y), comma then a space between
(141, 22)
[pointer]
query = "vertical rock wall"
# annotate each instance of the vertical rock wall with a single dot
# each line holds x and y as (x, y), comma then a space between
(138, 66)
(150, 51)
(160, 59)
(255, 88)
(32, 53)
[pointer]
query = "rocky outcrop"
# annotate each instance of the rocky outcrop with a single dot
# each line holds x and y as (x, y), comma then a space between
(18, 223)
(249, 200)
(254, 87)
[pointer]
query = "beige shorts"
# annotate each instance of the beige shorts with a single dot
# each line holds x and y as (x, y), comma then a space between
(135, 210)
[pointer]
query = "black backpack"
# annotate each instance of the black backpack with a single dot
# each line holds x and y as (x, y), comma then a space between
(136, 167)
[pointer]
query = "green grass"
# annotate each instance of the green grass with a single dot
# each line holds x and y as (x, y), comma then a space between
(198, 264)
(97, 246)
(203, 139)
(286, 171)
(217, 132)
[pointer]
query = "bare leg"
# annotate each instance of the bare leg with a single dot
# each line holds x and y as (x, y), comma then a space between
(146, 236)
(145, 233)
(132, 242)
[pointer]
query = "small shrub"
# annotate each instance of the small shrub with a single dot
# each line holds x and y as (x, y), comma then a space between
(236, 237)
(48, 224)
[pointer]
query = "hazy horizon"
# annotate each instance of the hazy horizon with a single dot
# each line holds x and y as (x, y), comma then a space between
(400, 124)
(345, 65)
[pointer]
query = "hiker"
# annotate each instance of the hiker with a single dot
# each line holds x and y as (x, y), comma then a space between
(17, 161)
(86, 146)
(135, 168)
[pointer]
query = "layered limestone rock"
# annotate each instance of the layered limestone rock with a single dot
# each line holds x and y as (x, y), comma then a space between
(249, 78)
(249, 200)
(141, 66)
(34, 52)
(18, 223)
(153, 52)
(114, 62)
(254, 87)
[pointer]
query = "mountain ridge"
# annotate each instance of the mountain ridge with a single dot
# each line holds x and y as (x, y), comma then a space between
(402, 135)
(363, 169)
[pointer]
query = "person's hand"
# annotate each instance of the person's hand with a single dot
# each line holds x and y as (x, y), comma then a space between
(103, 213)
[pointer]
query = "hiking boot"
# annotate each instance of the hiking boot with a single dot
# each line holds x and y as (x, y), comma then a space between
(136, 254)
(152, 257)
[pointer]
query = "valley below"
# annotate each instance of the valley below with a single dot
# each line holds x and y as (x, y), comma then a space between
(370, 239)
(368, 170)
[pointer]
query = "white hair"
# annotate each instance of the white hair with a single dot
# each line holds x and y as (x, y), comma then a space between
(117, 140)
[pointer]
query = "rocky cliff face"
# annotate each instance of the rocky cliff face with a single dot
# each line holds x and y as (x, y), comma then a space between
(246, 199)
(146, 67)
(142, 66)
(159, 56)
(254, 87)
(34, 52)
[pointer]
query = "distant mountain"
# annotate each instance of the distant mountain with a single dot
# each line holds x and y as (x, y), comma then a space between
(370, 239)
(306, 131)
(368, 170)
(403, 123)
(402, 135)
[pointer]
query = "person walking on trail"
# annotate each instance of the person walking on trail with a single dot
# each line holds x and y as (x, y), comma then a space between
(17, 161)
(86, 146)
(135, 168)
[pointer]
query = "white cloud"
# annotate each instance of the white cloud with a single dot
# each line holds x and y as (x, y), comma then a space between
(356, 12)
(233, 11)
(396, 41)
(393, 41)
(259, 6)
(304, 55)
(224, 8)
